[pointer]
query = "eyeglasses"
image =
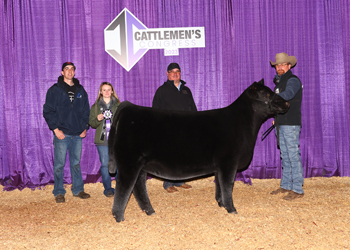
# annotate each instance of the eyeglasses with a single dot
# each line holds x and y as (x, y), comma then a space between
(174, 72)
(281, 65)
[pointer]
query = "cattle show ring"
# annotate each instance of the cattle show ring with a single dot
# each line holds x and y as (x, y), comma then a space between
(174, 125)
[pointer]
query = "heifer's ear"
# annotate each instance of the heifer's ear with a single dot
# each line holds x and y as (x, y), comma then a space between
(252, 90)
(261, 81)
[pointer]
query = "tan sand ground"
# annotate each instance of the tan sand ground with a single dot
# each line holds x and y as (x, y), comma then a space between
(188, 219)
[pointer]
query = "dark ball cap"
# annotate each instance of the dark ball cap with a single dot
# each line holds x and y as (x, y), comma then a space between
(68, 63)
(173, 66)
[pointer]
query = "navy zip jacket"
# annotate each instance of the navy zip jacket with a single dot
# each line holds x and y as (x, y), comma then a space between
(169, 97)
(59, 112)
(293, 115)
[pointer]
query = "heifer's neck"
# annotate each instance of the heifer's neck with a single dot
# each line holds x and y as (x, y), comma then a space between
(252, 117)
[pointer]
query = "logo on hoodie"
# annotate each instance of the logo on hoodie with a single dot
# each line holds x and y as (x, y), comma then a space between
(127, 39)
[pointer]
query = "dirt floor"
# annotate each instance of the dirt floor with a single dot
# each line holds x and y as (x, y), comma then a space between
(188, 219)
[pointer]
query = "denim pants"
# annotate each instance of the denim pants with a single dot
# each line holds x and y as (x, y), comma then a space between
(292, 173)
(106, 178)
(73, 145)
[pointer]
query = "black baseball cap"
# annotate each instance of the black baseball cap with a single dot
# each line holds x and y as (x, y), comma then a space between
(173, 66)
(68, 63)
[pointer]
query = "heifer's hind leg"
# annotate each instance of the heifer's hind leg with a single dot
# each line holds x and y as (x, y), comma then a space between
(226, 181)
(141, 194)
(218, 195)
(123, 188)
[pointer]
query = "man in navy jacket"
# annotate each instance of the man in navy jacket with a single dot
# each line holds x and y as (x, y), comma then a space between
(174, 95)
(288, 126)
(66, 111)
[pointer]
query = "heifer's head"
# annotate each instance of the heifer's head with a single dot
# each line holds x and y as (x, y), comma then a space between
(265, 101)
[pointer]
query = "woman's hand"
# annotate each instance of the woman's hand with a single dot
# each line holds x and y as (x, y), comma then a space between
(100, 117)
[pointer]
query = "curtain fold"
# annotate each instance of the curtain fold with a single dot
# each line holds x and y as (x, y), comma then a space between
(242, 36)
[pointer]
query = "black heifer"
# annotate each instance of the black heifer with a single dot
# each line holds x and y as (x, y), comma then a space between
(178, 145)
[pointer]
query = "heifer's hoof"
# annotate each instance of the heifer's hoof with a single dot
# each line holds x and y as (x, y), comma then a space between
(118, 218)
(232, 211)
(150, 212)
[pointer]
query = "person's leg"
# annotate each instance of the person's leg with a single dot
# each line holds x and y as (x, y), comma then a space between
(74, 158)
(167, 184)
(60, 152)
(106, 178)
(292, 145)
(286, 181)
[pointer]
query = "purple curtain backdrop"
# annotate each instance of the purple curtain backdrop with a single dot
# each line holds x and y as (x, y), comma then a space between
(37, 36)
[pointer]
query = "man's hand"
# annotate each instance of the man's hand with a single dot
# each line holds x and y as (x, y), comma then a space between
(82, 135)
(59, 134)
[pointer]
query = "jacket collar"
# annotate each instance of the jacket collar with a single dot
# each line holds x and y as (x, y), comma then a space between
(102, 103)
(61, 82)
(281, 78)
(172, 83)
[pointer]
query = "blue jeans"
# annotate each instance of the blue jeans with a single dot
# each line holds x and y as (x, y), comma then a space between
(106, 178)
(73, 145)
(292, 173)
(168, 184)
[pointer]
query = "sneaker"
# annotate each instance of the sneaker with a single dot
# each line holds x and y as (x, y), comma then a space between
(292, 195)
(60, 198)
(280, 190)
(171, 190)
(82, 195)
(185, 186)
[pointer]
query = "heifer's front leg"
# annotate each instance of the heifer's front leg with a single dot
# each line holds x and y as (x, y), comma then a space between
(123, 187)
(141, 194)
(226, 186)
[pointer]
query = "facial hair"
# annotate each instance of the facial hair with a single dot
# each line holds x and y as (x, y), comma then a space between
(280, 72)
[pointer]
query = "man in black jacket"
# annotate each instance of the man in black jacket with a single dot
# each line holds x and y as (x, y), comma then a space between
(66, 111)
(288, 125)
(174, 95)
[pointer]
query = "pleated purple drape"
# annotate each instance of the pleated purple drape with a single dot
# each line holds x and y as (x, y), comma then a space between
(37, 36)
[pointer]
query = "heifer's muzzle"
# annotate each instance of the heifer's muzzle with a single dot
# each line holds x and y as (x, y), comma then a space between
(279, 105)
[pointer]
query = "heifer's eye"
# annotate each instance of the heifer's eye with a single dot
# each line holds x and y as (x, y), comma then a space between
(266, 95)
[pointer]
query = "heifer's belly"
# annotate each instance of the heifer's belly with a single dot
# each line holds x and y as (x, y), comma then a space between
(178, 171)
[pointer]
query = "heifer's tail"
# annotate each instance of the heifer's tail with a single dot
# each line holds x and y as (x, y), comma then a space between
(112, 163)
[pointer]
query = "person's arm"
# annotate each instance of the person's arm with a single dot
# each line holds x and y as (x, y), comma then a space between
(50, 113)
(293, 86)
(193, 104)
(94, 120)
(86, 110)
(157, 102)
(49, 110)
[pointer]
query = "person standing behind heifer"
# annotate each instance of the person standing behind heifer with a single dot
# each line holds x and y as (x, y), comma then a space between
(174, 95)
(66, 111)
(288, 125)
(101, 119)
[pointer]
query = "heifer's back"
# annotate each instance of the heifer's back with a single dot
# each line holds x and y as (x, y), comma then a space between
(179, 144)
